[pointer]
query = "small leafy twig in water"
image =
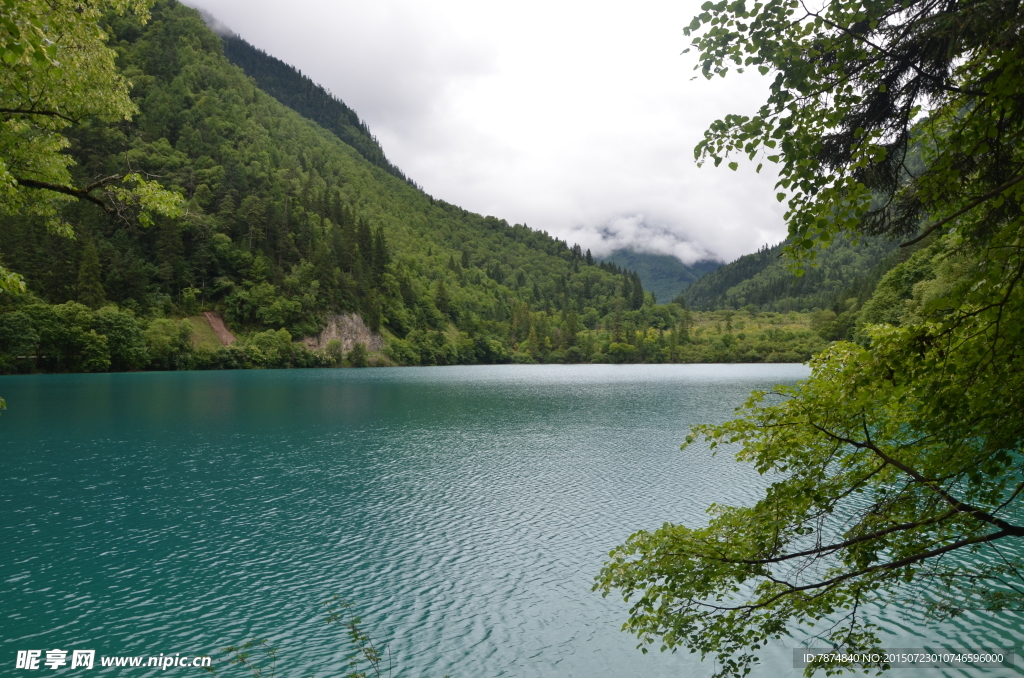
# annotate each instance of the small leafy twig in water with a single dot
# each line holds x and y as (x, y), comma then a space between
(241, 655)
(366, 650)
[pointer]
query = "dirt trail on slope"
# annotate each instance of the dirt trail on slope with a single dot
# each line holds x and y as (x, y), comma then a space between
(219, 328)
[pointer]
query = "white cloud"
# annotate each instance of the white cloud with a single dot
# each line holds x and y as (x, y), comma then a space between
(578, 118)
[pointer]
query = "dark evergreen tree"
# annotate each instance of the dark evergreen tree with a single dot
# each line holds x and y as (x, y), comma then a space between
(441, 298)
(636, 299)
(90, 285)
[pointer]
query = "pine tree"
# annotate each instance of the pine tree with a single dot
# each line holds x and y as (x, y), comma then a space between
(364, 241)
(637, 293)
(441, 298)
(381, 255)
(90, 288)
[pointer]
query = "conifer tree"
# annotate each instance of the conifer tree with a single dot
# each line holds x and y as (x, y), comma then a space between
(381, 255)
(636, 292)
(441, 298)
(90, 287)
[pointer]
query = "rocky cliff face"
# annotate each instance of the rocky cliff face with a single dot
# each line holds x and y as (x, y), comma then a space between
(349, 329)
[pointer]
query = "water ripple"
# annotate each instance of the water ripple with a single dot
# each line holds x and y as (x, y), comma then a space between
(464, 511)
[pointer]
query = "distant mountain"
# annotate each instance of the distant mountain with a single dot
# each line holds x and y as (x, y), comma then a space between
(763, 280)
(661, 274)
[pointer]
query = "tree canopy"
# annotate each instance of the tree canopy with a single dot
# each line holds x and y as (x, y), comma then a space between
(58, 72)
(857, 86)
(895, 469)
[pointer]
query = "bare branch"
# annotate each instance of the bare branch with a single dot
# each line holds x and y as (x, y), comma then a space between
(894, 565)
(824, 550)
(80, 193)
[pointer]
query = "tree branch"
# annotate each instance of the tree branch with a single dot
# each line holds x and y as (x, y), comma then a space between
(80, 193)
(959, 506)
(902, 60)
(823, 550)
(101, 182)
(988, 196)
(30, 111)
(894, 565)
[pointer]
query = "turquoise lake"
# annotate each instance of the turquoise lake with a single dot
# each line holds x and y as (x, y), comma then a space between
(464, 511)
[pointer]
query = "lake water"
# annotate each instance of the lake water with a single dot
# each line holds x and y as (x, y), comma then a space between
(464, 511)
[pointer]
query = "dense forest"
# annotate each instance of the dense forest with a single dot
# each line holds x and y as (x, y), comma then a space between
(762, 279)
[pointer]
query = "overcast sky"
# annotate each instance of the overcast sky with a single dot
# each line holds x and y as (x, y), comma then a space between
(577, 118)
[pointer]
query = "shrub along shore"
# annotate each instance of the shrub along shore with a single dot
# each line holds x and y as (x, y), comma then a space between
(36, 337)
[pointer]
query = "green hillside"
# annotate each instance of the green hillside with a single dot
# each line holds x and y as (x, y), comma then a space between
(663, 275)
(288, 224)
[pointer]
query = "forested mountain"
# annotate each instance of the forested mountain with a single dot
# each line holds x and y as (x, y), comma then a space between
(661, 274)
(293, 219)
(763, 281)
(286, 223)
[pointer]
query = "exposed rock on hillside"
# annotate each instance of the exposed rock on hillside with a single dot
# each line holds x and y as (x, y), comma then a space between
(349, 329)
